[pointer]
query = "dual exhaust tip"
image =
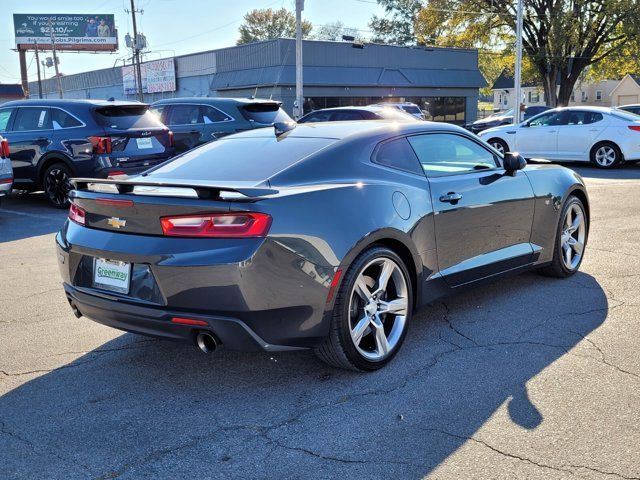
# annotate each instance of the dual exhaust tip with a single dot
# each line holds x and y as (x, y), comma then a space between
(206, 342)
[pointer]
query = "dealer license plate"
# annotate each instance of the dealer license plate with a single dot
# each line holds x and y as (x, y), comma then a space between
(112, 275)
(144, 143)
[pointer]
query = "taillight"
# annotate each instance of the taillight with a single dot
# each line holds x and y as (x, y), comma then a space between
(217, 225)
(635, 128)
(101, 144)
(76, 214)
(4, 149)
(170, 138)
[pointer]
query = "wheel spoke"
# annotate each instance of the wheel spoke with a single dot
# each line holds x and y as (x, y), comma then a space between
(382, 344)
(385, 274)
(396, 307)
(567, 219)
(576, 223)
(360, 329)
(362, 289)
(577, 247)
(567, 255)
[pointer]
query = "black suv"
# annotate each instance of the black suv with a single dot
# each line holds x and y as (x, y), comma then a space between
(54, 140)
(198, 120)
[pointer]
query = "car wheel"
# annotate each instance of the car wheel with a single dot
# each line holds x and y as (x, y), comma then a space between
(571, 239)
(57, 185)
(606, 155)
(500, 145)
(372, 310)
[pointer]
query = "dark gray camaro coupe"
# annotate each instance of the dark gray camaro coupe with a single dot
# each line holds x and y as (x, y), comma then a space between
(326, 237)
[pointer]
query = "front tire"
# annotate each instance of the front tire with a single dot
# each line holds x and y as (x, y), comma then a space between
(570, 242)
(57, 185)
(499, 144)
(371, 314)
(606, 155)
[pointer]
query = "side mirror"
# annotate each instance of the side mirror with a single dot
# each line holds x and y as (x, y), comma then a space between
(513, 161)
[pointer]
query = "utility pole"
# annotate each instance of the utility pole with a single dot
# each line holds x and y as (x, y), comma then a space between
(55, 59)
(518, 73)
(22, 55)
(136, 52)
(38, 67)
(299, 110)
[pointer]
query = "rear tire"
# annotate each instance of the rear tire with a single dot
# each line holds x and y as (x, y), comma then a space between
(571, 239)
(371, 314)
(606, 155)
(56, 185)
(500, 145)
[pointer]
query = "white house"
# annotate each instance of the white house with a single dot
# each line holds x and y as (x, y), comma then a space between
(627, 91)
(586, 94)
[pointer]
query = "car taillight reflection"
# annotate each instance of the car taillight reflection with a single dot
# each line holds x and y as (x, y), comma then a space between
(100, 145)
(4, 149)
(76, 214)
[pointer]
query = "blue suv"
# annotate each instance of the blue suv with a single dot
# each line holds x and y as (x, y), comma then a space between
(55, 140)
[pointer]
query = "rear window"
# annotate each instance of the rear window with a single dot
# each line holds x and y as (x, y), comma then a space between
(265, 113)
(625, 115)
(247, 159)
(122, 117)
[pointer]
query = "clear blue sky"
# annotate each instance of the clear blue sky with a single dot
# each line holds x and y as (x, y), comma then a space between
(171, 26)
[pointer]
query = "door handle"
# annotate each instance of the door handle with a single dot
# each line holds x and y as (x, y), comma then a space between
(451, 197)
(42, 139)
(194, 131)
(552, 131)
(593, 129)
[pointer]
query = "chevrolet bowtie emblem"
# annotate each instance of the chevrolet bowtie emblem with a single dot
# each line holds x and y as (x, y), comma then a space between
(116, 222)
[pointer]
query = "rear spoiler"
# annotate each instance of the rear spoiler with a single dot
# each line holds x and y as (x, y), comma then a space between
(173, 188)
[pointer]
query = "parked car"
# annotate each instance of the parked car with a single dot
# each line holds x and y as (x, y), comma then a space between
(340, 114)
(6, 172)
(604, 136)
(325, 237)
(196, 121)
(504, 118)
(54, 140)
(407, 107)
(635, 109)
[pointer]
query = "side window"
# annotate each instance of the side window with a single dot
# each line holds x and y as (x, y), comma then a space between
(548, 120)
(32, 118)
(345, 116)
(213, 115)
(5, 115)
(61, 119)
(184, 115)
(159, 111)
(398, 154)
(445, 154)
(317, 117)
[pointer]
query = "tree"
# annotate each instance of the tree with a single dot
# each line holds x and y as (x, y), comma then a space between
(399, 29)
(561, 38)
(334, 31)
(267, 24)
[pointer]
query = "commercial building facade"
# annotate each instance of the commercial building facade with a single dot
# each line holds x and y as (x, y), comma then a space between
(442, 81)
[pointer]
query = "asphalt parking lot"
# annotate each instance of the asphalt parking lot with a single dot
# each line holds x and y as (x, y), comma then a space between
(528, 377)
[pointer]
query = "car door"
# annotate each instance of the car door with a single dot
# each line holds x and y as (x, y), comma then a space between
(538, 137)
(580, 132)
(482, 214)
(185, 121)
(29, 136)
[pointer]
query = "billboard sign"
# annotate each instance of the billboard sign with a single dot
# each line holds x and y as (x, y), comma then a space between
(90, 32)
(157, 76)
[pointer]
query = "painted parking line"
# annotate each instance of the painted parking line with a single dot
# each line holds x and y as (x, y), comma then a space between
(32, 215)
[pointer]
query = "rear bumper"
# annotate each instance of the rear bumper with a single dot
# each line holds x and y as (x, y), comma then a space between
(255, 294)
(231, 332)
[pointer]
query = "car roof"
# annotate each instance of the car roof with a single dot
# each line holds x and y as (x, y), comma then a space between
(367, 108)
(215, 100)
(634, 105)
(353, 129)
(68, 102)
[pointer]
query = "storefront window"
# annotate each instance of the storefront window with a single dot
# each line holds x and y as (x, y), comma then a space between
(437, 109)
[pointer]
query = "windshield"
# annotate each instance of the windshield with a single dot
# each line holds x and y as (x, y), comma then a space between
(123, 117)
(266, 113)
(411, 109)
(390, 113)
(621, 114)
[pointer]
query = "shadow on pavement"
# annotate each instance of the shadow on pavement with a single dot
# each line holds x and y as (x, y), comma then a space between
(138, 407)
(24, 215)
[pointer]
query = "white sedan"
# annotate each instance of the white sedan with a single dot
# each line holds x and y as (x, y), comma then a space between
(607, 137)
